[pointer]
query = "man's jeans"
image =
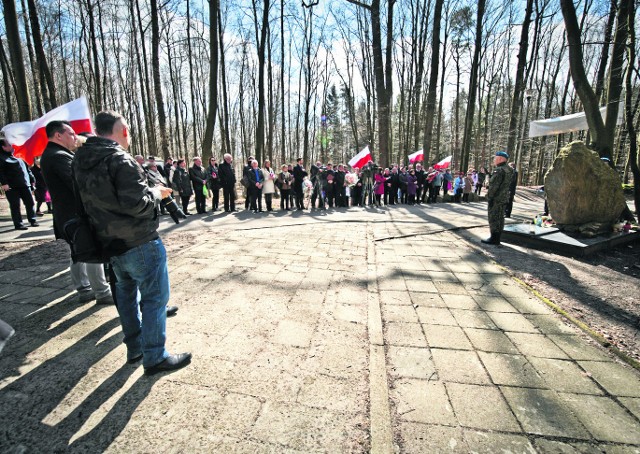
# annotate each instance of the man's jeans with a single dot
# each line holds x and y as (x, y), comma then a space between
(142, 293)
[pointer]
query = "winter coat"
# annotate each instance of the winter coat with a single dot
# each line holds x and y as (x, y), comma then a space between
(468, 185)
(198, 178)
(14, 171)
(181, 182)
(269, 186)
(226, 174)
(412, 184)
(56, 164)
(115, 194)
(380, 182)
(285, 180)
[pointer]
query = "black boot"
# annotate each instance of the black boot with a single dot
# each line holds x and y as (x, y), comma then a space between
(493, 239)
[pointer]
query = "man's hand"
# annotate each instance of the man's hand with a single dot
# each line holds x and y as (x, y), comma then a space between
(5, 187)
(166, 192)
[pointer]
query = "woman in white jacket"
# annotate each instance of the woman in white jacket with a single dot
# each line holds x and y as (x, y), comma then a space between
(269, 187)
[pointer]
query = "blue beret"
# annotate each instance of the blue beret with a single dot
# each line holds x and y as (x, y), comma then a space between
(503, 154)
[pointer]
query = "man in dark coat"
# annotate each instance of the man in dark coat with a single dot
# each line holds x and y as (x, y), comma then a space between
(298, 176)
(56, 162)
(122, 208)
(228, 183)
(17, 182)
(198, 178)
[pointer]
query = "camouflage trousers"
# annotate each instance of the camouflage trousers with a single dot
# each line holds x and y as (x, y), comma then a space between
(496, 217)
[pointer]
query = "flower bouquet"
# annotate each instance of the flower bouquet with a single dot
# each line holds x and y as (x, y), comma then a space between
(351, 179)
(307, 187)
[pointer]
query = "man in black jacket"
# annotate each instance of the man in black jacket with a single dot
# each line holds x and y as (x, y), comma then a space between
(123, 210)
(228, 182)
(56, 168)
(298, 176)
(198, 179)
(17, 182)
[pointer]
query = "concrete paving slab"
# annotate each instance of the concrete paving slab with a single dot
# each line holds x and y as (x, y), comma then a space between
(405, 334)
(411, 362)
(473, 319)
(564, 376)
(448, 365)
(543, 412)
(512, 322)
(604, 418)
(578, 348)
(615, 378)
(422, 401)
(395, 313)
(494, 303)
(512, 370)
(418, 438)
(490, 341)
(448, 337)
(435, 316)
(632, 404)
(550, 324)
(536, 345)
(395, 298)
(454, 301)
(421, 286)
(530, 305)
(481, 407)
(493, 442)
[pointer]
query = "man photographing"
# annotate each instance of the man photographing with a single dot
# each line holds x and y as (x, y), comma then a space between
(123, 210)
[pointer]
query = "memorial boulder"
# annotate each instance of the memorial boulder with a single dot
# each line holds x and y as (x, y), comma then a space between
(583, 192)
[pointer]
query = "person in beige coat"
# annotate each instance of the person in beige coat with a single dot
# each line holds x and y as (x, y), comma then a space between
(468, 187)
(269, 187)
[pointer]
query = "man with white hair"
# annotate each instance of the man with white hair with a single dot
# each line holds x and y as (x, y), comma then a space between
(228, 182)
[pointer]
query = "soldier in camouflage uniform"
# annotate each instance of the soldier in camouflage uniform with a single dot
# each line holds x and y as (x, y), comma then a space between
(123, 209)
(498, 196)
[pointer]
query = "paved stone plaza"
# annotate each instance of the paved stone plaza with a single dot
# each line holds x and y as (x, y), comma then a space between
(362, 330)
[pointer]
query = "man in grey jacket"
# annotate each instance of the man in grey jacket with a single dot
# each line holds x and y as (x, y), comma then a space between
(124, 211)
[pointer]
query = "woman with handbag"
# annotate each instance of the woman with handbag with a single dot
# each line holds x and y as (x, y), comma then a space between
(284, 184)
(182, 184)
(268, 188)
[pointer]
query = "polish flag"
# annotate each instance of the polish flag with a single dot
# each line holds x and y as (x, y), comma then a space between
(29, 138)
(418, 156)
(361, 159)
(444, 164)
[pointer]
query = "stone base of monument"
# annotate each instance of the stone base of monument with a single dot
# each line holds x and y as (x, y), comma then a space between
(554, 240)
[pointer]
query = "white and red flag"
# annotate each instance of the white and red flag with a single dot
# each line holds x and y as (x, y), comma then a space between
(29, 138)
(444, 164)
(418, 156)
(361, 159)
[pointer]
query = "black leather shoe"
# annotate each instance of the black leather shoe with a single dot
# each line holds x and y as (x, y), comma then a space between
(171, 363)
(35, 224)
(135, 359)
(490, 240)
(22, 227)
(172, 310)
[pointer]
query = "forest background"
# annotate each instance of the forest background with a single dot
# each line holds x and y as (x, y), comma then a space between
(279, 79)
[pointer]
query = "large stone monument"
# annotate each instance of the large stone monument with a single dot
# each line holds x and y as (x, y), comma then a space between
(583, 192)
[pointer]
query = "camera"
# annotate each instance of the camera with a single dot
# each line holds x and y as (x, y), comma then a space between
(173, 209)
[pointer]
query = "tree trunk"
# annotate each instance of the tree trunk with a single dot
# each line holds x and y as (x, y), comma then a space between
(516, 100)
(155, 68)
(259, 150)
(17, 61)
(430, 108)
(226, 140)
(207, 141)
(604, 55)
(6, 83)
(473, 89)
(629, 113)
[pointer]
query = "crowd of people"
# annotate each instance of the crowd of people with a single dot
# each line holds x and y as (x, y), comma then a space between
(120, 195)
(322, 186)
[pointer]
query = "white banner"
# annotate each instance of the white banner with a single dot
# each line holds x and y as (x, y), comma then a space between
(567, 123)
